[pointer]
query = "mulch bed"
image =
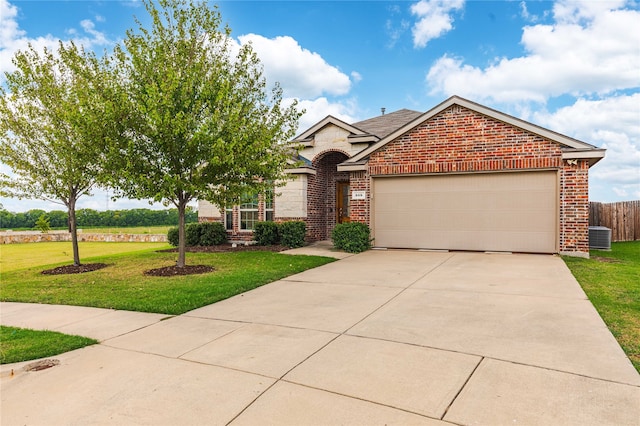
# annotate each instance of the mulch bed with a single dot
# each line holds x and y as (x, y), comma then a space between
(225, 248)
(74, 269)
(172, 271)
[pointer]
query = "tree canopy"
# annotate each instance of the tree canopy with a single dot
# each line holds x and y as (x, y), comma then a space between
(195, 117)
(48, 135)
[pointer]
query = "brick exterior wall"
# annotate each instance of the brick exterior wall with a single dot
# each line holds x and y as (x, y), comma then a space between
(459, 140)
(321, 194)
(360, 181)
(574, 208)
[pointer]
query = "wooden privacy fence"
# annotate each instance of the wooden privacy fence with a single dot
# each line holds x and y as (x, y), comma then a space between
(622, 218)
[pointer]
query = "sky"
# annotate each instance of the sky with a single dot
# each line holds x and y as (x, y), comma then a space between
(570, 66)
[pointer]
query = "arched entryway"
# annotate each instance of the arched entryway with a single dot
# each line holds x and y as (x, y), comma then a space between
(328, 195)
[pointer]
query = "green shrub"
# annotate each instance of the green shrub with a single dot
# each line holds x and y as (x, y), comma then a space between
(266, 233)
(292, 233)
(352, 237)
(192, 233)
(173, 236)
(212, 234)
(199, 234)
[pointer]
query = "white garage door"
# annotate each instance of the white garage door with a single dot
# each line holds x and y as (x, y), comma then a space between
(488, 212)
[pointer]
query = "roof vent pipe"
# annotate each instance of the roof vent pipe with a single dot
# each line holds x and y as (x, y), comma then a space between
(383, 109)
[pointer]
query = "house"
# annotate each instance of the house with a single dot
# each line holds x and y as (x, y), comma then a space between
(458, 177)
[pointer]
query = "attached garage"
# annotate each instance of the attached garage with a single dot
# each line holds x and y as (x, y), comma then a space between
(515, 212)
(462, 176)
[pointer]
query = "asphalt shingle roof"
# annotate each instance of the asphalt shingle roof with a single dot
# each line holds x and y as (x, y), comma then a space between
(383, 125)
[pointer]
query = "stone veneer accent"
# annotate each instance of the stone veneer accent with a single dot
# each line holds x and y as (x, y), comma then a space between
(291, 199)
(38, 237)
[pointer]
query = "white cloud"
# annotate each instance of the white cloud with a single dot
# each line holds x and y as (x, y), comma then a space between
(576, 11)
(589, 50)
(395, 30)
(300, 72)
(8, 26)
(434, 19)
(524, 12)
(317, 109)
(614, 124)
(13, 39)
(98, 38)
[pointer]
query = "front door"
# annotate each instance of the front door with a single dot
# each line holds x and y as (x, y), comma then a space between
(342, 202)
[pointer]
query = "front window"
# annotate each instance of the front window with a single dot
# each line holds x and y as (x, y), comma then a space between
(228, 219)
(268, 205)
(249, 211)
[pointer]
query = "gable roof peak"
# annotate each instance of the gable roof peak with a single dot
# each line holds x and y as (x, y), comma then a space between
(569, 144)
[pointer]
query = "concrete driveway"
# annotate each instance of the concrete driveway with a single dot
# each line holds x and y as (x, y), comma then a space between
(384, 337)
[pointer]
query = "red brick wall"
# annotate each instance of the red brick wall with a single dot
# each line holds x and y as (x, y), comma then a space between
(321, 194)
(460, 140)
(360, 181)
(574, 208)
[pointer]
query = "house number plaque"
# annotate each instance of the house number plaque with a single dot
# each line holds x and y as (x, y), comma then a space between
(358, 195)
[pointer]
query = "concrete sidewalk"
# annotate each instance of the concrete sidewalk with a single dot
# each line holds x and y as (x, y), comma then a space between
(383, 337)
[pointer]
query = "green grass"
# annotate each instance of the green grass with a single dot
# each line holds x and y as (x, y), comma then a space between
(611, 280)
(122, 284)
(20, 256)
(21, 344)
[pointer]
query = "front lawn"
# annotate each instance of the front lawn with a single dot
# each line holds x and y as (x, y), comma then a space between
(19, 256)
(122, 284)
(611, 280)
(21, 344)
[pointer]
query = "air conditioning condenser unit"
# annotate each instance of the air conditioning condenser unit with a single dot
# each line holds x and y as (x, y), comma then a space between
(599, 238)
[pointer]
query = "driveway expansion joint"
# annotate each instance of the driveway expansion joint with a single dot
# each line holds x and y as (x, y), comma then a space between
(461, 388)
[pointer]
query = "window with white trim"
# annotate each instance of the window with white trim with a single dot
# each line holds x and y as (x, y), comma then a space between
(249, 211)
(268, 205)
(228, 219)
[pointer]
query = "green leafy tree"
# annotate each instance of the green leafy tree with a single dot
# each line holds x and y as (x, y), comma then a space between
(48, 135)
(58, 219)
(197, 120)
(42, 224)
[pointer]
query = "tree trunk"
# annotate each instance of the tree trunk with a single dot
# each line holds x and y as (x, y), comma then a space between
(181, 236)
(73, 228)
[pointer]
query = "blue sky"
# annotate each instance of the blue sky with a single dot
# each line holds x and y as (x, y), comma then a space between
(570, 66)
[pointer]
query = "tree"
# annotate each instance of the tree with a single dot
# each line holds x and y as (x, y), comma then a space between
(48, 136)
(197, 121)
(42, 224)
(58, 219)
